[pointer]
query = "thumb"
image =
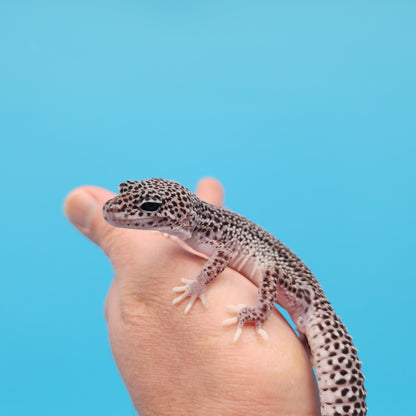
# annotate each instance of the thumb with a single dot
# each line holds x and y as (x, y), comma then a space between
(83, 207)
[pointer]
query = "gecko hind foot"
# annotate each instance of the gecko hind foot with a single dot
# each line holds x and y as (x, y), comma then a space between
(190, 289)
(245, 314)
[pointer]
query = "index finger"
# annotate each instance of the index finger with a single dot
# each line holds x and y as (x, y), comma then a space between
(211, 191)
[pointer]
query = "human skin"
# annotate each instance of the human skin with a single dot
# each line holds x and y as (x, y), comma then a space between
(177, 364)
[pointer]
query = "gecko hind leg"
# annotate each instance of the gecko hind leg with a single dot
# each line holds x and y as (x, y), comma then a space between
(245, 313)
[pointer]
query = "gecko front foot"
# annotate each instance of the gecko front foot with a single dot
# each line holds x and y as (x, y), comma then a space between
(192, 289)
(245, 314)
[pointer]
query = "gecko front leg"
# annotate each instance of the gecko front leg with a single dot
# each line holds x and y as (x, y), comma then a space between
(196, 288)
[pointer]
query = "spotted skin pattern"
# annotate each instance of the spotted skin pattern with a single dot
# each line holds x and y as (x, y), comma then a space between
(234, 241)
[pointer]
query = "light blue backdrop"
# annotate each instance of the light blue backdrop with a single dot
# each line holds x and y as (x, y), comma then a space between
(305, 111)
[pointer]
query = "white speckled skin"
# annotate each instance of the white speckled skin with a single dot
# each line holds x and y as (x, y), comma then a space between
(234, 241)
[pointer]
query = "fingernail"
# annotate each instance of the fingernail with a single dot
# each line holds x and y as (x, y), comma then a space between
(80, 207)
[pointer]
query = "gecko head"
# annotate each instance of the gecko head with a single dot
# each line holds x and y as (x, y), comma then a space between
(152, 204)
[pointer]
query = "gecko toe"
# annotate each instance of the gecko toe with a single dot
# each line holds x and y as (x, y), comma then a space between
(179, 298)
(230, 321)
(235, 308)
(237, 334)
(179, 289)
(263, 334)
(190, 304)
(203, 299)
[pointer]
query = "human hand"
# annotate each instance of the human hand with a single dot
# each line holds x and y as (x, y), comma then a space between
(176, 364)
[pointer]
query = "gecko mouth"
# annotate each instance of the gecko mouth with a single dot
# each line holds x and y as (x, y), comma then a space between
(128, 222)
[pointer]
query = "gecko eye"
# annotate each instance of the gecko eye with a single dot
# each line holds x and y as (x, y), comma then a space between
(150, 206)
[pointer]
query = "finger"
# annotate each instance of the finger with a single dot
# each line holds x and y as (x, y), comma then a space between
(211, 191)
(83, 207)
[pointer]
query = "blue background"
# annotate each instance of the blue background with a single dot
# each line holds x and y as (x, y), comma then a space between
(305, 110)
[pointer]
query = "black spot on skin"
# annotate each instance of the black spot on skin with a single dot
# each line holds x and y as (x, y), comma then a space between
(341, 381)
